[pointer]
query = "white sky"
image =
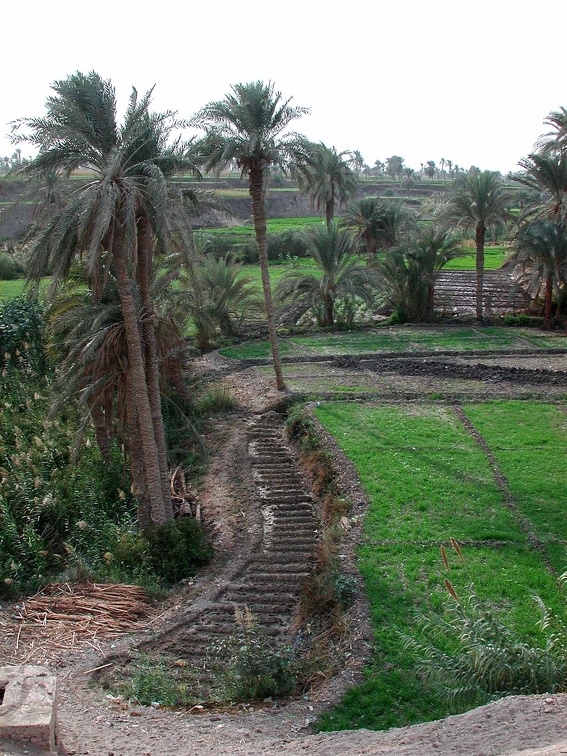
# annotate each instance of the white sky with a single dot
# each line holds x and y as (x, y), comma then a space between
(468, 81)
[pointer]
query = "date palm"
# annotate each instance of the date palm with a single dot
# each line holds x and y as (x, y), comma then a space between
(110, 221)
(479, 201)
(248, 128)
(432, 248)
(88, 343)
(327, 178)
(376, 223)
(555, 140)
(542, 260)
(342, 275)
(546, 172)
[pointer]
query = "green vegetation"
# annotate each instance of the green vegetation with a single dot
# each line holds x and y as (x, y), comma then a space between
(427, 480)
(11, 289)
(494, 258)
(248, 665)
(400, 339)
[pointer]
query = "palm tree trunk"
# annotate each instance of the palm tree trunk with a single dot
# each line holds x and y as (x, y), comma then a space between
(548, 301)
(329, 211)
(480, 233)
(430, 305)
(144, 273)
(102, 434)
(138, 392)
(136, 460)
(329, 313)
(256, 189)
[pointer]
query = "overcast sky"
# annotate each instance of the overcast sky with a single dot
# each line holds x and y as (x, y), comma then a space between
(425, 79)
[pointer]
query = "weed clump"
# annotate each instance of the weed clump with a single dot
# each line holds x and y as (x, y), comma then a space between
(248, 665)
(473, 657)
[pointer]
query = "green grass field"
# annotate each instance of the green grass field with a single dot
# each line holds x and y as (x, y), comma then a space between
(10, 289)
(401, 339)
(427, 481)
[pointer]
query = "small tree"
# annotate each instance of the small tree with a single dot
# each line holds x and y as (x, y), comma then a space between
(343, 276)
(376, 223)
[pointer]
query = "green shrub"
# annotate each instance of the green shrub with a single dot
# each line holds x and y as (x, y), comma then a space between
(10, 269)
(287, 245)
(216, 399)
(521, 320)
(490, 661)
(248, 665)
(178, 548)
(155, 681)
(22, 334)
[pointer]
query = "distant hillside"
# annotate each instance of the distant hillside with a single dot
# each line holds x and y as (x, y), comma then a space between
(283, 201)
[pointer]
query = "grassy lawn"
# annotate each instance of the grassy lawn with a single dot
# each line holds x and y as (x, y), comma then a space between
(9, 289)
(494, 258)
(427, 481)
(400, 339)
(275, 226)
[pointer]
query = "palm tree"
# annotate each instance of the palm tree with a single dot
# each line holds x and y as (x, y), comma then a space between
(429, 169)
(88, 342)
(432, 248)
(378, 223)
(327, 178)
(546, 172)
(343, 276)
(408, 181)
(357, 161)
(479, 201)
(110, 220)
(542, 258)
(555, 140)
(213, 292)
(248, 127)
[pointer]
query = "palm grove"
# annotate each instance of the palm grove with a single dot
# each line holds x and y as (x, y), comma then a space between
(126, 271)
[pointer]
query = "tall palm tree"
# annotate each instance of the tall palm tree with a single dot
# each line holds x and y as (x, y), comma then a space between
(546, 172)
(542, 259)
(343, 275)
(478, 201)
(327, 178)
(555, 140)
(378, 223)
(88, 342)
(110, 220)
(248, 127)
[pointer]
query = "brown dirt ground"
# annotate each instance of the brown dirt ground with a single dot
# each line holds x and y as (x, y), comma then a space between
(93, 723)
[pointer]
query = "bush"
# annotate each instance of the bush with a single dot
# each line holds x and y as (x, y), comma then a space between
(10, 269)
(22, 334)
(248, 665)
(490, 660)
(521, 320)
(178, 548)
(155, 681)
(216, 399)
(287, 245)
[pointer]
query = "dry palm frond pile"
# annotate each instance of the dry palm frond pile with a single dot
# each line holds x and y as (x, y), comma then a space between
(62, 616)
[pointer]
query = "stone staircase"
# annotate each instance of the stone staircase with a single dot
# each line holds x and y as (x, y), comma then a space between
(455, 292)
(267, 581)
